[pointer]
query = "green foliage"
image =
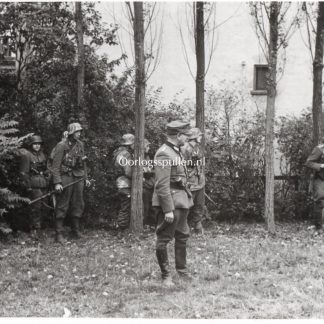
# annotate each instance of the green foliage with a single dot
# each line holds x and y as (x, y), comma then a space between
(9, 145)
(234, 155)
(295, 144)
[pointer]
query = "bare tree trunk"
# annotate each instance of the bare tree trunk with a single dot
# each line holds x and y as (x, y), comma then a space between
(317, 76)
(200, 76)
(136, 221)
(80, 77)
(200, 57)
(270, 115)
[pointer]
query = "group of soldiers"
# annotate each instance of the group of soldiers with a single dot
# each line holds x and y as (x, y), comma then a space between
(171, 189)
(67, 171)
(190, 152)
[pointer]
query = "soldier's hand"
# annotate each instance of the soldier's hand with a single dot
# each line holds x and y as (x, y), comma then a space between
(58, 187)
(169, 217)
(87, 183)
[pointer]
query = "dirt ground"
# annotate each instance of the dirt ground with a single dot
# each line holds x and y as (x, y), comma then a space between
(239, 272)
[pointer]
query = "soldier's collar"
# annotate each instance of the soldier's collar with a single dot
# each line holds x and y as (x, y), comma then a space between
(174, 147)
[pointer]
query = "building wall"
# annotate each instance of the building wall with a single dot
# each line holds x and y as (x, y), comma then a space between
(236, 53)
(238, 50)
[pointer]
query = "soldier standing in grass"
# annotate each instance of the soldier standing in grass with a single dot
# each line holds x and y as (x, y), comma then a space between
(69, 165)
(173, 200)
(192, 153)
(123, 159)
(34, 176)
(316, 162)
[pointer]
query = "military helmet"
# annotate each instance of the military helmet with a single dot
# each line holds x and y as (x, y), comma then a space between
(35, 139)
(195, 133)
(74, 127)
(127, 139)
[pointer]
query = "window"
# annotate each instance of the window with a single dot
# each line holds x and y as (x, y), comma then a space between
(260, 79)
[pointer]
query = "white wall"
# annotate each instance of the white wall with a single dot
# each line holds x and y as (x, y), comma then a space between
(237, 43)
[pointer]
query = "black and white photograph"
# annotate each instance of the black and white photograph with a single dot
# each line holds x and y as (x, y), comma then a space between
(161, 160)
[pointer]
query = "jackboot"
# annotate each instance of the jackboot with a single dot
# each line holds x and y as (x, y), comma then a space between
(162, 257)
(76, 228)
(180, 253)
(59, 231)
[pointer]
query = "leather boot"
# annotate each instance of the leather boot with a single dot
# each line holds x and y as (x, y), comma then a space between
(180, 253)
(162, 257)
(59, 231)
(76, 228)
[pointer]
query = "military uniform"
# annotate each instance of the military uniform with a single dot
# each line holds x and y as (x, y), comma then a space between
(69, 166)
(34, 177)
(122, 157)
(316, 162)
(171, 195)
(196, 181)
(149, 212)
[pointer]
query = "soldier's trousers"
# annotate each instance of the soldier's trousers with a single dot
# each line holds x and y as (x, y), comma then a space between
(149, 213)
(196, 212)
(36, 209)
(178, 229)
(123, 217)
(71, 197)
(318, 189)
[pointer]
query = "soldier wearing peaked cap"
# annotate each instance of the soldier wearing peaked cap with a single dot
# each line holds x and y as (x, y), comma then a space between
(172, 199)
(315, 161)
(34, 177)
(193, 155)
(123, 156)
(69, 165)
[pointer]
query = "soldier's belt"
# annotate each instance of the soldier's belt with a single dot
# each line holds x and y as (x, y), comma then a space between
(181, 187)
(177, 186)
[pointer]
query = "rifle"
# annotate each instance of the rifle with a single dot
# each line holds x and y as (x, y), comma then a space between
(54, 191)
(211, 200)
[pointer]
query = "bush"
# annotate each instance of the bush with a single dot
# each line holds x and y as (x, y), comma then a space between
(295, 143)
(9, 145)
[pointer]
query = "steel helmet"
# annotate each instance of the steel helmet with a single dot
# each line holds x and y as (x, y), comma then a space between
(74, 127)
(127, 139)
(195, 133)
(35, 139)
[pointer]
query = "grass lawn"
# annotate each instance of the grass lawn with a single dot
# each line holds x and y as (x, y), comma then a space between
(240, 272)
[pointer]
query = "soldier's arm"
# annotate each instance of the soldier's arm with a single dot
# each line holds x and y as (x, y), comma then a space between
(162, 182)
(24, 169)
(57, 162)
(84, 161)
(313, 160)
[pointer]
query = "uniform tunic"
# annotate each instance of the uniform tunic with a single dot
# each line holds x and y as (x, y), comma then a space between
(123, 158)
(32, 170)
(148, 189)
(196, 181)
(170, 173)
(68, 166)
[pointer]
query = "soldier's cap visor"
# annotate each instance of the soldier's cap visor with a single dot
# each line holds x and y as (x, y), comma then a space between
(182, 130)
